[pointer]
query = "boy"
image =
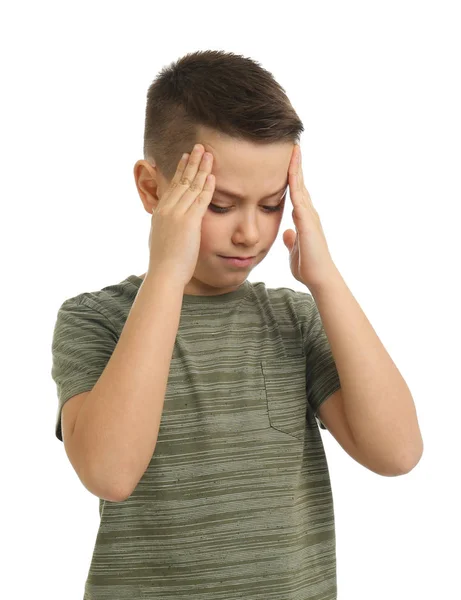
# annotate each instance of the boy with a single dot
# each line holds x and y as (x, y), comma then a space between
(190, 397)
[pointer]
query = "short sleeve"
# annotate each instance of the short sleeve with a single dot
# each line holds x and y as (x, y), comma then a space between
(83, 342)
(322, 378)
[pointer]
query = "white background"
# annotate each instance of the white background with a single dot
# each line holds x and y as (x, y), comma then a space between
(377, 86)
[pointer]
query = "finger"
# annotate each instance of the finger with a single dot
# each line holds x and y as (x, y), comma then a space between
(300, 168)
(200, 205)
(192, 192)
(182, 164)
(192, 165)
(294, 158)
(295, 172)
(183, 178)
(186, 179)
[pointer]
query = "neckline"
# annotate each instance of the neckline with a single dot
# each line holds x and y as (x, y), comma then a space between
(237, 294)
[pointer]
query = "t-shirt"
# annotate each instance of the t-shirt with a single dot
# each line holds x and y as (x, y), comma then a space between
(236, 501)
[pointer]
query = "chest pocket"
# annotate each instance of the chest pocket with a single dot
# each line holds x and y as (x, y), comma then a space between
(285, 386)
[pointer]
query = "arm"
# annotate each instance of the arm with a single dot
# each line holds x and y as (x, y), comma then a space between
(117, 425)
(377, 404)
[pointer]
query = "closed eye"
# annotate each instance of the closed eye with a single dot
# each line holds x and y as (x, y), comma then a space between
(268, 209)
(220, 209)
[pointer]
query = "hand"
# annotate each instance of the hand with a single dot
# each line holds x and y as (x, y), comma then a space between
(310, 260)
(175, 233)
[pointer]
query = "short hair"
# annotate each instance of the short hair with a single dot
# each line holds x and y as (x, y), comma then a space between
(226, 92)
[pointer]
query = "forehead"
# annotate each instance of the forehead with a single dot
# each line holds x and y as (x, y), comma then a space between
(245, 168)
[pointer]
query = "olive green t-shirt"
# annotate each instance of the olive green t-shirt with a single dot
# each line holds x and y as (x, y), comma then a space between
(236, 501)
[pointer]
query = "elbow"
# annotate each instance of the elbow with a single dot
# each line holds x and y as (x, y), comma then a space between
(112, 494)
(118, 495)
(404, 467)
(410, 465)
(415, 457)
(116, 484)
(104, 490)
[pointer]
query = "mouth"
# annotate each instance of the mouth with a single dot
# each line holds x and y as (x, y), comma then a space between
(238, 261)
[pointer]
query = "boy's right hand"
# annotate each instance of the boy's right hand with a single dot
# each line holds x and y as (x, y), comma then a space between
(176, 226)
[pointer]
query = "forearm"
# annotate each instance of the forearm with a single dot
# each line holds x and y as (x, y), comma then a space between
(118, 424)
(378, 404)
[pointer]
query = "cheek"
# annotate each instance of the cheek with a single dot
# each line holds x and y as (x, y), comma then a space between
(208, 235)
(277, 223)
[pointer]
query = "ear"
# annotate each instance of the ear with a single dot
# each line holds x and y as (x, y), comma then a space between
(147, 182)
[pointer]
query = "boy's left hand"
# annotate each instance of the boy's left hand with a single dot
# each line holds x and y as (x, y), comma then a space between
(310, 260)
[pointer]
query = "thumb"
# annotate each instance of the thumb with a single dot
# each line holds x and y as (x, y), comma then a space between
(289, 237)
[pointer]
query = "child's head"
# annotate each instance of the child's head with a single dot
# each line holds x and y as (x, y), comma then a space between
(240, 114)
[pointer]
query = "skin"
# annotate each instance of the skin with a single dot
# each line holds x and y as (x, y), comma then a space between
(246, 229)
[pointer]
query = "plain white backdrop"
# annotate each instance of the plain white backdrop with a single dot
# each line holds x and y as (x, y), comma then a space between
(377, 86)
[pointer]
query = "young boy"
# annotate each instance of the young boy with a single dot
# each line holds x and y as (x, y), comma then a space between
(190, 397)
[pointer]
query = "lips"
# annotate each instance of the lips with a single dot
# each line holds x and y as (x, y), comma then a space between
(239, 257)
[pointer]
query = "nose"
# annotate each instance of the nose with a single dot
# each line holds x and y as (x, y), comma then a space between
(247, 231)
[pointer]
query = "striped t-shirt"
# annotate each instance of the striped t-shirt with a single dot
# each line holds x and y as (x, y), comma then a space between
(236, 501)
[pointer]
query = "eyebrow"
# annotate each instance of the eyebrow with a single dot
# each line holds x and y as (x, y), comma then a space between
(241, 197)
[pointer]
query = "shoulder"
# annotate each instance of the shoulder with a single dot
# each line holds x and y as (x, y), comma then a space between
(112, 302)
(299, 304)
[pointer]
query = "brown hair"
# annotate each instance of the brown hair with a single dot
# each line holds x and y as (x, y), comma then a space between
(223, 91)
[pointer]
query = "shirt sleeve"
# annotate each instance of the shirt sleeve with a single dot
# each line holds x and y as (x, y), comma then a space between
(83, 342)
(322, 378)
